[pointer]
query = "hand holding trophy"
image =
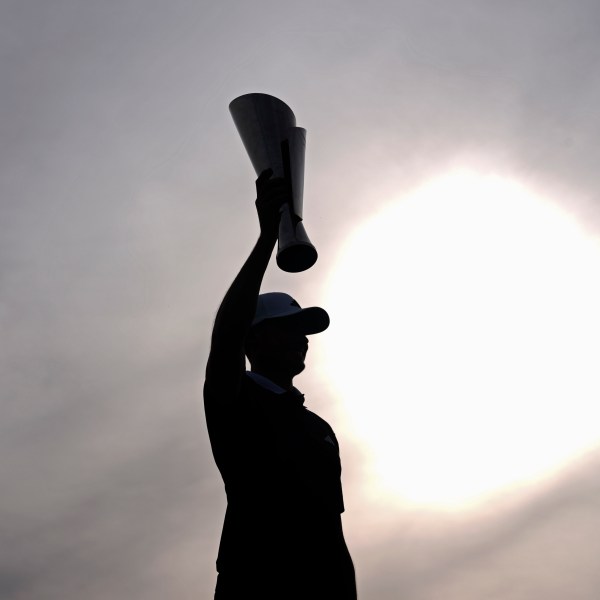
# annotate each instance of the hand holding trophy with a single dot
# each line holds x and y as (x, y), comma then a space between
(268, 130)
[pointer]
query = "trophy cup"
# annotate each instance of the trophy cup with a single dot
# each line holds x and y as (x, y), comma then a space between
(268, 130)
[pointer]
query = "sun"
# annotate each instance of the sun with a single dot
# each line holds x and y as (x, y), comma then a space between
(464, 342)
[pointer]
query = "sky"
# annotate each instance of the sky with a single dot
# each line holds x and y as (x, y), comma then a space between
(451, 190)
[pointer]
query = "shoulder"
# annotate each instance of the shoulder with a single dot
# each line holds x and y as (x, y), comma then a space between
(224, 369)
(315, 418)
(214, 389)
(320, 425)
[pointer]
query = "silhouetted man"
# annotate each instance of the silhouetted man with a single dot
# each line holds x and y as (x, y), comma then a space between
(282, 536)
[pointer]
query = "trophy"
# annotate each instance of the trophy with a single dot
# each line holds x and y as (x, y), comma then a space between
(268, 130)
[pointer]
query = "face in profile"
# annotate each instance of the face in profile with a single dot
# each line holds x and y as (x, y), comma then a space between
(277, 346)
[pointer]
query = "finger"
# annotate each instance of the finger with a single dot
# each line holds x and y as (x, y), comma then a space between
(266, 174)
(275, 192)
(263, 178)
(272, 201)
(277, 185)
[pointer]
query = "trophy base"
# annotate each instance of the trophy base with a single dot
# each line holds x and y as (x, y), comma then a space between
(297, 257)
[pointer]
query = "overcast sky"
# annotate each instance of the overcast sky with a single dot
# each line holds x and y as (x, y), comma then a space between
(127, 208)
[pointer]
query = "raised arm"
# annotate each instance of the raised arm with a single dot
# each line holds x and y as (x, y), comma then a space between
(226, 364)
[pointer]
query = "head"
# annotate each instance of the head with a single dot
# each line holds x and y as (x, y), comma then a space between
(275, 346)
(277, 342)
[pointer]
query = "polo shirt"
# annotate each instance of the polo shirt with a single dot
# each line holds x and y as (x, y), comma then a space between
(281, 467)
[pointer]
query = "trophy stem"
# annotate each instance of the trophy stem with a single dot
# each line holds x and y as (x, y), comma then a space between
(295, 253)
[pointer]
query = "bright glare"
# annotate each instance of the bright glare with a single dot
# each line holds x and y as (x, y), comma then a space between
(465, 340)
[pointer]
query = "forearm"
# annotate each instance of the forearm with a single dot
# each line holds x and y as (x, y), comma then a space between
(237, 309)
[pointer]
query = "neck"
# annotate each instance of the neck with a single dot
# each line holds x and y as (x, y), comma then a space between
(281, 379)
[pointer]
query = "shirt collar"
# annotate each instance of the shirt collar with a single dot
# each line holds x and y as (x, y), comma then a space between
(266, 383)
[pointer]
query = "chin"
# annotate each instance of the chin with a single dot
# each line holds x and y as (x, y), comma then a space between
(295, 368)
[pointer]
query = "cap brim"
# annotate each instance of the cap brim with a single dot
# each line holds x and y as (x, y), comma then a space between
(309, 320)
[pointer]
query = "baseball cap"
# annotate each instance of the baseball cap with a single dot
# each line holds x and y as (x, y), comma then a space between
(277, 305)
